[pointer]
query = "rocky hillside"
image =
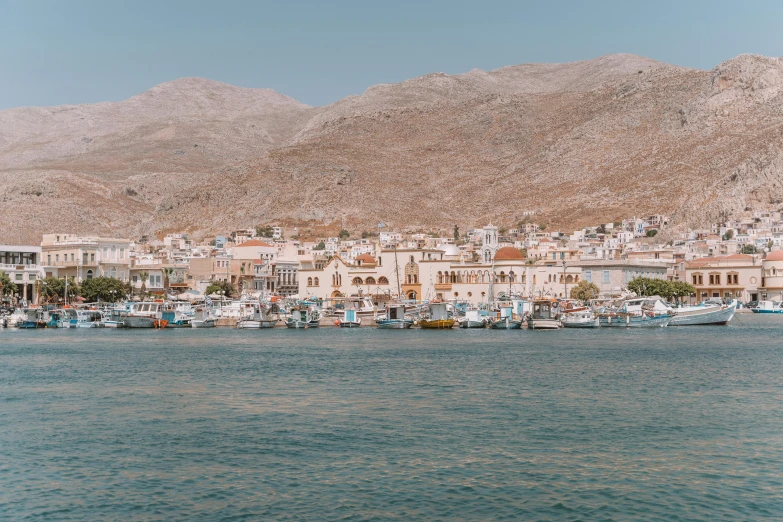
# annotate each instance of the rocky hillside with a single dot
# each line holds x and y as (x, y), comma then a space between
(579, 143)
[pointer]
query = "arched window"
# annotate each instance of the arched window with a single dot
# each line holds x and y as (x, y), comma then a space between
(511, 276)
(440, 277)
(412, 295)
(315, 281)
(502, 276)
(309, 281)
(356, 281)
(456, 294)
(334, 279)
(89, 274)
(369, 280)
(453, 277)
(383, 281)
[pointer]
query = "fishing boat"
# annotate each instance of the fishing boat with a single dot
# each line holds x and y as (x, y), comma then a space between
(32, 318)
(767, 307)
(704, 313)
(362, 306)
(145, 315)
(202, 319)
(303, 317)
(62, 318)
(258, 318)
(640, 312)
(115, 317)
(395, 318)
(580, 319)
(350, 319)
(472, 319)
(437, 318)
(544, 315)
(89, 319)
(506, 321)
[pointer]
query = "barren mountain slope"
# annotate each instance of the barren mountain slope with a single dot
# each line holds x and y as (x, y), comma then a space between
(579, 143)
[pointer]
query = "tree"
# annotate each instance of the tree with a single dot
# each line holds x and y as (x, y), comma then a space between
(365, 234)
(221, 286)
(749, 249)
(144, 276)
(646, 286)
(584, 291)
(728, 235)
(344, 234)
(320, 246)
(265, 231)
(541, 227)
(8, 286)
(600, 229)
(652, 232)
(102, 289)
(167, 273)
(523, 251)
(456, 233)
(770, 244)
(53, 289)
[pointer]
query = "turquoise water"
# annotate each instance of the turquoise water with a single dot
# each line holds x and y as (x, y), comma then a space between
(331, 424)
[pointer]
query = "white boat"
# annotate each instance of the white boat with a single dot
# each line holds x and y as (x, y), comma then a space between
(544, 315)
(303, 318)
(580, 319)
(202, 319)
(363, 306)
(89, 319)
(640, 312)
(258, 318)
(472, 319)
(144, 315)
(768, 307)
(350, 319)
(704, 313)
(395, 318)
(115, 318)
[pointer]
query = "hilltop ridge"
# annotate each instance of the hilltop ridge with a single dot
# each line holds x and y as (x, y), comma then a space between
(579, 143)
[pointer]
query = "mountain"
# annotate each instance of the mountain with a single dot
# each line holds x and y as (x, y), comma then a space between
(578, 143)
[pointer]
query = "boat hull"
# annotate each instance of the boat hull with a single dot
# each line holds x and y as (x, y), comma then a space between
(506, 324)
(472, 324)
(717, 316)
(592, 323)
(139, 322)
(437, 324)
(395, 324)
(544, 324)
(350, 324)
(292, 323)
(203, 323)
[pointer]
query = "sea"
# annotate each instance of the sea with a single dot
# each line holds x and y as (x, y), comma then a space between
(678, 423)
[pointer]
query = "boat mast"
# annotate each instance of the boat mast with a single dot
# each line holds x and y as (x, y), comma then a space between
(397, 272)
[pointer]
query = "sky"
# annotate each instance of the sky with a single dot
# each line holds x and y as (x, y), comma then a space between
(84, 51)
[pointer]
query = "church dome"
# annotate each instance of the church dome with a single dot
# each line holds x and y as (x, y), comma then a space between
(508, 253)
(448, 249)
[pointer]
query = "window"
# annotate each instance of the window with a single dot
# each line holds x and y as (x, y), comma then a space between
(73, 258)
(18, 277)
(48, 259)
(92, 257)
(369, 280)
(309, 281)
(315, 281)
(89, 274)
(32, 277)
(470, 294)
(57, 257)
(383, 281)
(357, 281)
(606, 277)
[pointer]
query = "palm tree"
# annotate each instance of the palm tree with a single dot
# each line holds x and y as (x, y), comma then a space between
(144, 276)
(167, 273)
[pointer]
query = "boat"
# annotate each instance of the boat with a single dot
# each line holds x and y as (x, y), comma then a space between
(145, 315)
(395, 318)
(303, 317)
(259, 318)
(767, 307)
(704, 313)
(62, 318)
(362, 306)
(639, 312)
(89, 319)
(115, 318)
(202, 319)
(350, 319)
(473, 319)
(32, 318)
(437, 318)
(544, 315)
(506, 321)
(581, 319)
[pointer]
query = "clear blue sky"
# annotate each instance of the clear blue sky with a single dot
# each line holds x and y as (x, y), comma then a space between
(318, 51)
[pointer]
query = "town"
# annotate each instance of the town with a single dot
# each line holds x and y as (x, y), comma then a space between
(739, 259)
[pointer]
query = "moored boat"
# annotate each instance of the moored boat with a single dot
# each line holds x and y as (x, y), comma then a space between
(350, 320)
(437, 318)
(703, 314)
(302, 317)
(580, 319)
(472, 319)
(395, 318)
(144, 315)
(767, 307)
(544, 315)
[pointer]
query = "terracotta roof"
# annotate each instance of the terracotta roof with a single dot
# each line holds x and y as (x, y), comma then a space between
(777, 255)
(255, 243)
(508, 253)
(366, 258)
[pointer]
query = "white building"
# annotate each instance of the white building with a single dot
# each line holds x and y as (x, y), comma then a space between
(22, 264)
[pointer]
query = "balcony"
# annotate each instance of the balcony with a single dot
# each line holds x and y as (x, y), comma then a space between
(5, 266)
